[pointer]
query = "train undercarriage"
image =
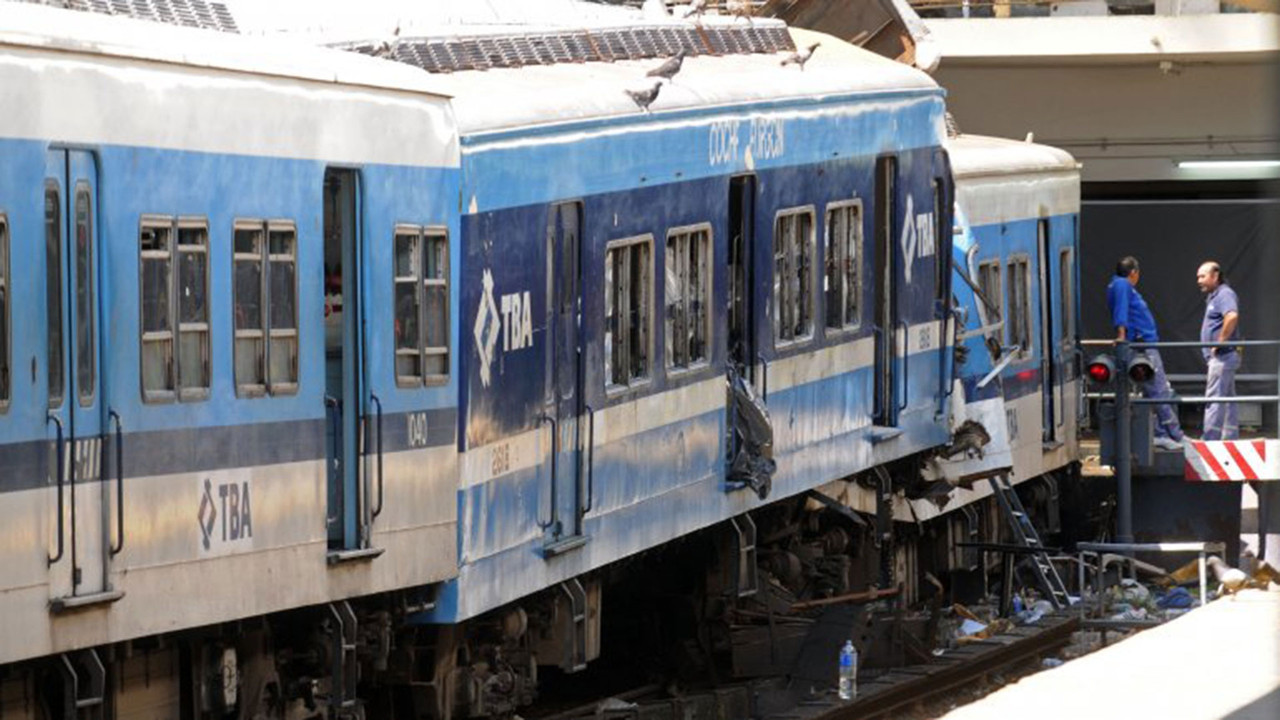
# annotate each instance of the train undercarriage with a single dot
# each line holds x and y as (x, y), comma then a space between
(735, 601)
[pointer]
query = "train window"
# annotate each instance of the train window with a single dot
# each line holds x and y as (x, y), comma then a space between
(192, 290)
(156, 258)
(250, 347)
(1066, 275)
(688, 287)
(422, 305)
(844, 238)
(53, 291)
(265, 262)
(792, 275)
(174, 364)
(989, 283)
(282, 308)
(4, 313)
(627, 288)
(1019, 325)
(86, 356)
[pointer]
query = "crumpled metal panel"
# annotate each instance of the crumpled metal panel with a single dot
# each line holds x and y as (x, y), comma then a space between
(201, 14)
(886, 27)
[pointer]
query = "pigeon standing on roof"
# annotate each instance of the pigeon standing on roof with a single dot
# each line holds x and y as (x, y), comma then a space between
(1232, 580)
(668, 69)
(800, 57)
(695, 9)
(643, 98)
(387, 48)
(740, 9)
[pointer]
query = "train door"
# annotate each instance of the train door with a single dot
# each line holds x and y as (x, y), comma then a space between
(1048, 368)
(886, 294)
(82, 548)
(349, 517)
(564, 294)
(742, 341)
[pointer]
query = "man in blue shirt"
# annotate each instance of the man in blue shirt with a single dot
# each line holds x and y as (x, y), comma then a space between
(1221, 315)
(1133, 321)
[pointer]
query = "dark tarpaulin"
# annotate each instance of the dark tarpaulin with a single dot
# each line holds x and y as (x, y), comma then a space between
(1171, 238)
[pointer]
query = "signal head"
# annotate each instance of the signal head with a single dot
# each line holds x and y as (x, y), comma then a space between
(1101, 369)
(1140, 369)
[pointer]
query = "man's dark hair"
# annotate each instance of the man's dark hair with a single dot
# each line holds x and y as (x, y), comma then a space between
(1126, 266)
(1215, 268)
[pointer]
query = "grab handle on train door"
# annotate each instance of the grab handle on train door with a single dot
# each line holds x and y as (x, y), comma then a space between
(118, 545)
(591, 459)
(877, 333)
(906, 364)
(764, 378)
(1082, 406)
(555, 452)
(377, 403)
(333, 407)
(61, 470)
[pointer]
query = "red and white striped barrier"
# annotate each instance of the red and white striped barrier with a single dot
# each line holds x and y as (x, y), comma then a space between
(1219, 460)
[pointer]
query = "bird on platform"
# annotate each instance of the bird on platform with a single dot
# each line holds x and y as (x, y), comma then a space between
(668, 69)
(695, 9)
(800, 57)
(387, 48)
(644, 98)
(1231, 580)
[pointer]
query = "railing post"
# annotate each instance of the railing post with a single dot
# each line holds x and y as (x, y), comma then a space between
(1124, 446)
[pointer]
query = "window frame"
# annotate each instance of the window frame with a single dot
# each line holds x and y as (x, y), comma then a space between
(635, 381)
(181, 391)
(1067, 296)
(846, 325)
(6, 315)
(993, 295)
(275, 387)
(775, 303)
(55, 294)
(264, 259)
(87, 289)
(1023, 261)
(707, 293)
(422, 235)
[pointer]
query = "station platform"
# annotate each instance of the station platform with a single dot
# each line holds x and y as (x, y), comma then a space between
(1221, 661)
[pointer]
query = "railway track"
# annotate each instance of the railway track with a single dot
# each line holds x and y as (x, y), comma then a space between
(880, 695)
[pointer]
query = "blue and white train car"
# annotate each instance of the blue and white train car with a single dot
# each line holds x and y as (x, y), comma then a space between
(617, 263)
(1016, 252)
(180, 426)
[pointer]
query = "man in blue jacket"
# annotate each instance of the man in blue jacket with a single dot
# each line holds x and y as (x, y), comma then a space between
(1133, 321)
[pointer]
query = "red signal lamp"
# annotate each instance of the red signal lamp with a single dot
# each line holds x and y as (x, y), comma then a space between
(1101, 369)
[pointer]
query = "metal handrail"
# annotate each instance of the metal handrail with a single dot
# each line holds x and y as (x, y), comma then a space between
(62, 471)
(377, 509)
(591, 459)
(555, 452)
(906, 363)
(117, 546)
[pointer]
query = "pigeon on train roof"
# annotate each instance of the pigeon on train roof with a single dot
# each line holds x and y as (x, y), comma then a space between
(643, 98)
(669, 68)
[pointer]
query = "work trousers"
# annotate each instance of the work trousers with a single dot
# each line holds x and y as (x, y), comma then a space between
(1158, 387)
(1220, 419)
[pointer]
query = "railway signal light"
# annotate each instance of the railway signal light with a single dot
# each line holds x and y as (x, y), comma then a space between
(1101, 369)
(1140, 369)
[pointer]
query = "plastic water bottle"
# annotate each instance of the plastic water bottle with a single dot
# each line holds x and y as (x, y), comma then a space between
(848, 671)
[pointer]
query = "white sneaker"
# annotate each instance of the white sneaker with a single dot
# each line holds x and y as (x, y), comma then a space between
(1168, 443)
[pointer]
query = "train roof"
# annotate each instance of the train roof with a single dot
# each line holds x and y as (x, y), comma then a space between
(980, 155)
(508, 98)
(57, 29)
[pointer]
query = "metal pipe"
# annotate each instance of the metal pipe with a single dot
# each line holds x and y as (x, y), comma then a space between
(1203, 400)
(1124, 449)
